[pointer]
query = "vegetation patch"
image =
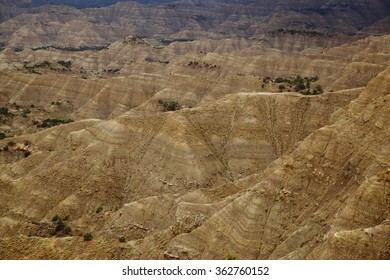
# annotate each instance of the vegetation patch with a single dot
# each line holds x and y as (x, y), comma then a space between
(17, 49)
(302, 85)
(2, 46)
(66, 64)
(167, 42)
(169, 105)
(88, 236)
(52, 122)
(151, 60)
(4, 111)
(73, 49)
(200, 64)
(60, 226)
(99, 209)
(311, 33)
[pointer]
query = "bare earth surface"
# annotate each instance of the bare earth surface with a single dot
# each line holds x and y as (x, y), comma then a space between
(200, 148)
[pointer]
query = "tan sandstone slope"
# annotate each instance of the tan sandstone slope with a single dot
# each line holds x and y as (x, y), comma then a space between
(329, 199)
(188, 164)
(164, 147)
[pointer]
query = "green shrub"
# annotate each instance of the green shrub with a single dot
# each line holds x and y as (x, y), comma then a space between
(99, 209)
(2, 135)
(279, 80)
(122, 239)
(52, 122)
(55, 218)
(232, 257)
(60, 226)
(17, 49)
(66, 64)
(87, 236)
(67, 230)
(26, 153)
(319, 89)
(169, 105)
(4, 111)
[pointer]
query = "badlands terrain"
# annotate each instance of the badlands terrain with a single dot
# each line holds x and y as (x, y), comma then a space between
(195, 130)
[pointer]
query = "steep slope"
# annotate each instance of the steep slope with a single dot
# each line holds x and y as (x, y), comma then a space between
(329, 199)
(150, 157)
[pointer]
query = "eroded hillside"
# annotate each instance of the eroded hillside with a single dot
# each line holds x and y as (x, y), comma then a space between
(255, 135)
(58, 25)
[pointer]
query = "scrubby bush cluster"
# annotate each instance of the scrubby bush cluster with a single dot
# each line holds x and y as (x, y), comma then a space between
(61, 227)
(199, 64)
(298, 84)
(52, 122)
(17, 49)
(169, 105)
(73, 49)
(66, 64)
